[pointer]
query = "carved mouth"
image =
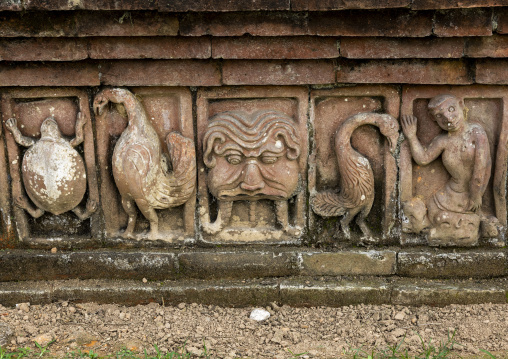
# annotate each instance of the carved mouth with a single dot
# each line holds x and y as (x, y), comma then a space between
(238, 194)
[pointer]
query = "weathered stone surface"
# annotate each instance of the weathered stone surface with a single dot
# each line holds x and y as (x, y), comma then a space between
(238, 24)
(17, 24)
(150, 48)
(463, 22)
(452, 264)
(33, 292)
(487, 46)
(301, 72)
(493, 72)
(348, 263)
(405, 71)
(122, 265)
(303, 47)
(334, 293)
(222, 5)
(451, 4)
(320, 5)
(11, 5)
(374, 23)
(33, 265)
(252, 264)
(43, 49)
(501, 17)
(128, 292)
(49, 74)
(441, 293)
(160, 73)
(41, 5)
(395, 48)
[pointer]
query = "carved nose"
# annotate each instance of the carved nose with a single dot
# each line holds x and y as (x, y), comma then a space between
(252, 181)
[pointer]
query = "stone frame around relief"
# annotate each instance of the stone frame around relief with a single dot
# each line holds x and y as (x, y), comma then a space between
(25, 225)
(497, 97)
(293, 102)
(361, 98)
(170, 101)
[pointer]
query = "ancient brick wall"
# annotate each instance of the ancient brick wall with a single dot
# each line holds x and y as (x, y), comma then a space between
(271, 141)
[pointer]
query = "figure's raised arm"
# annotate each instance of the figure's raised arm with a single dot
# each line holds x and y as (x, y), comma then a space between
(481, 170)
(21, 140)
(422, 156)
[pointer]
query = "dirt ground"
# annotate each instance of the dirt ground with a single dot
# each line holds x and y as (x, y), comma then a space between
(229, 333)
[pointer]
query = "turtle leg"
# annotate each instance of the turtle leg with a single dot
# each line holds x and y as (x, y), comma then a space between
(22, 202)
(84, 213)
(129, 207)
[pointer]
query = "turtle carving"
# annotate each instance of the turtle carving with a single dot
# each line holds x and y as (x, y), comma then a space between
(53, 172)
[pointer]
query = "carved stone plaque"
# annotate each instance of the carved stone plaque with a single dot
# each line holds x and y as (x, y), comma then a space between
(52, 165)
(353, 171)
(453, 165)
(252, 145)
(146, 151)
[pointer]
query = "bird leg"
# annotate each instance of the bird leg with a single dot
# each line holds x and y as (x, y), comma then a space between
(150, 214)
(348, 217)
(130, 209)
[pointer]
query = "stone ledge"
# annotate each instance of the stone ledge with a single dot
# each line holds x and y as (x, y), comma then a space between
(292, 291)
(451, 264)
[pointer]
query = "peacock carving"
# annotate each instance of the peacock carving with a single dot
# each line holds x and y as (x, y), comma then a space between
(141, 170)
(356, 194)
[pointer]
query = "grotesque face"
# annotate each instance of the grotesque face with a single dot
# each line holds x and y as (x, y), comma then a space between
(252, 156)
(415, 218)
(448, 112)
(49, 128)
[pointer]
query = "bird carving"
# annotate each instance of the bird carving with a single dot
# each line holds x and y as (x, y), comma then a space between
(141, 170)
(356, 194)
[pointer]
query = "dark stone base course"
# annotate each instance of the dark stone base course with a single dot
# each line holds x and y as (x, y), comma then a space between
(250, 262)
(292, 291)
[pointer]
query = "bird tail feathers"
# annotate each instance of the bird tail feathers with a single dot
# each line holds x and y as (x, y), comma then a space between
(327, 204)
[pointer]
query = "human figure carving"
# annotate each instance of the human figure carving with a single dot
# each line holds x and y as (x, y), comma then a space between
(454, 211)
(356, 194)
(251, 157)
(54, 174)
(141, 170)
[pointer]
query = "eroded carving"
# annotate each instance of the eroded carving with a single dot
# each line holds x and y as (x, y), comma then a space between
(452, 215)
(141, 171)
(251, 157)
(53, 172)
(356, 194)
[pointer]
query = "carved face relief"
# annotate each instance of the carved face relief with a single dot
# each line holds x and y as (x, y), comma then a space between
(252, 157)
(448, 112)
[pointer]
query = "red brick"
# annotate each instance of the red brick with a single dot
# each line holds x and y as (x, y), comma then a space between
(491, 46)
(121, 23)
(90, 5)
(394, 48)
(404, 71)
(150, 48)
(454, 4)
(494, 72)
(11, 5)
(371, 23)
(302, 47)
(222, 5)
(463, 22)
(43, 49)
(160, 73)
(245, 72)
(17, 24)
(324, 5)
(501, 17)
(52, 74)
(238, 24)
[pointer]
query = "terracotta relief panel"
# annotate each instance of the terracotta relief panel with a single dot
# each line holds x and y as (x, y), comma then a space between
(352, 167)
(146, 151)
(252, 158)
(52, 165)
(453, 165)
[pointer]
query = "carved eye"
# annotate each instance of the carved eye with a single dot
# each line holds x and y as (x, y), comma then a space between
(451, 109)
(234, 159)
(269, 159)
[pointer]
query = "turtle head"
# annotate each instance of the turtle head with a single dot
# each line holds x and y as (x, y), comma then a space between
(49, 128)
